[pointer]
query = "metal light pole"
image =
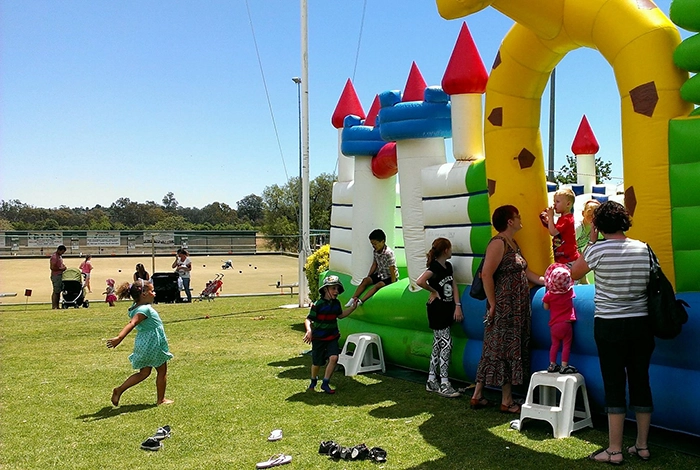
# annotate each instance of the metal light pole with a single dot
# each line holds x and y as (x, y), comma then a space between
(305, 248)
(300, 245)
(552, 91)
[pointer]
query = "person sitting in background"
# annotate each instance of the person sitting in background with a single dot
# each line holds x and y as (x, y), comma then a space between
(141, 273)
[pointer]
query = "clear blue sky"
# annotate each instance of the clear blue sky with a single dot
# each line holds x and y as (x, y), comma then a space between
(101, 100)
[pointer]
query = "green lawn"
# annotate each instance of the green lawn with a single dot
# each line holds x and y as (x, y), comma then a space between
(235, 377)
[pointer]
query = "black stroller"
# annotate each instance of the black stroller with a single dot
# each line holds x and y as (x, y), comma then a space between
(73, 289)
(166, 287)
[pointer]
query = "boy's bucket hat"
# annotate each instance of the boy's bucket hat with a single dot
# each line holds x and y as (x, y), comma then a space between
(331, 281)
(557, 278)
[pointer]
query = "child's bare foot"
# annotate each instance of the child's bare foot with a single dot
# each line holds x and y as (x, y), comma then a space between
(116, 395)
(165, 401)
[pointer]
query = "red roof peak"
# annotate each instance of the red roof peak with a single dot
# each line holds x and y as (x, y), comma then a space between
(585, 142)
(465, 71)
(373, 112)
(348, 104)
(415, 85)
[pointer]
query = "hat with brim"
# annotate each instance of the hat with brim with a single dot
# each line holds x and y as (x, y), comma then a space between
(331, 281)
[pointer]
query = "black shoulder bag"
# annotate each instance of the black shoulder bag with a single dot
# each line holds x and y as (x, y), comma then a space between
(667, 314)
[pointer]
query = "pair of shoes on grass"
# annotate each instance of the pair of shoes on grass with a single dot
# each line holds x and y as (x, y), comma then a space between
(359, 452)
(275, 435)
(274, 461)
(154, 443)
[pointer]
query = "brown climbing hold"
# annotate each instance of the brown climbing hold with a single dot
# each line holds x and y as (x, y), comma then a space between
(525, 159)
(497, 60)
(492, 186)
(496, 117)
(644, 99)
(630, 200)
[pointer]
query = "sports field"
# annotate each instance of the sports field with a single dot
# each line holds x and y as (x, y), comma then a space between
(250, 274)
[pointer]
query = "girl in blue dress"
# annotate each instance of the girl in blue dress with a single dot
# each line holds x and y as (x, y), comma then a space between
(150, 346)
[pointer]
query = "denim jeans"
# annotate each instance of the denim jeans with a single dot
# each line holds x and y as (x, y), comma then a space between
(624, 350)
(186, 286)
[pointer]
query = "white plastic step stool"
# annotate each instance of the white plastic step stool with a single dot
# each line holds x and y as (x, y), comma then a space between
(562, 416)
(362, 358)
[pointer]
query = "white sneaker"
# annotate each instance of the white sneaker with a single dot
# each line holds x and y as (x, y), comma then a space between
(446, 390)
(432, 386)
(351, 302)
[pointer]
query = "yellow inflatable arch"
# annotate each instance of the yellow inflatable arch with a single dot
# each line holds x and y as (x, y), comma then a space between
(637, 40)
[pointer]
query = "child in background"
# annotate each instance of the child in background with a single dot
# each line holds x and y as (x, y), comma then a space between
(583, 230)
(322, 331)
(559, 300)
(150, 346)
(562, 232)
(382, 272)
(443, 309)
(85, 269)
(109, 292)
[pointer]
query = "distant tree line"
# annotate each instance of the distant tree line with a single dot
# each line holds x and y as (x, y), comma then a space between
(276, 213)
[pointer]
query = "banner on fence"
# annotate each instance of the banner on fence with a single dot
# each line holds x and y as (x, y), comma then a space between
(159, 238)
(44, 239)
(103, 238)
(2, 239)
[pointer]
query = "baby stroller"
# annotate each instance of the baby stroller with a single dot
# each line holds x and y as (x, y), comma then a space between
(166, 287)
(211, 290)
(73, 289)
(228, 264)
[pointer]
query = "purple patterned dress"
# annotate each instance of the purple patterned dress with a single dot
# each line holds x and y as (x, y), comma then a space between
(505, 357)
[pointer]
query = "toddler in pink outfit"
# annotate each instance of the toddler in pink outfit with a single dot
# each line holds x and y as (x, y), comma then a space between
(559, 300)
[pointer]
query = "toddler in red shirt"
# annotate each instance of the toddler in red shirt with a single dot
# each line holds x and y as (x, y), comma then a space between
(563, 231)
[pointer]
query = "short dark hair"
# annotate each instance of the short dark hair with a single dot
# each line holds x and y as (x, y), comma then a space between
(61, 248)
(611, 217)
(378, 235)
(502, 215)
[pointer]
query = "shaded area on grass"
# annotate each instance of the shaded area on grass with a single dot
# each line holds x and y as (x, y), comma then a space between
(111, 412)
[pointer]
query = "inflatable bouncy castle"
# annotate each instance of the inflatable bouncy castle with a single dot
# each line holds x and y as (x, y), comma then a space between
(394, 174)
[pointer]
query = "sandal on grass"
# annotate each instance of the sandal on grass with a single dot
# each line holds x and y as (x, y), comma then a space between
(634, 450)
(377, 454)
(477, 403)
(512, 408)
(162, 433)
(275, 435)
(325, 447)
(275, 460)
(609, 456)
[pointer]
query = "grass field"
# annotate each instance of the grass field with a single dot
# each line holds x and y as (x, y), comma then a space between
(236, 376)
(251, 274)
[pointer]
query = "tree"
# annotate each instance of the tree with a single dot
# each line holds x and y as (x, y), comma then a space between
(169, 202)
(567, 173)
(321, 201)
(281, 209)
(251, 208)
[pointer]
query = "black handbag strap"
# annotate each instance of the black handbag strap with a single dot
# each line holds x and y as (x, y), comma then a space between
(654, 265)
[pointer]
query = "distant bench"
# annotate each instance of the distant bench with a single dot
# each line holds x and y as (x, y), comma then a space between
(291, 287)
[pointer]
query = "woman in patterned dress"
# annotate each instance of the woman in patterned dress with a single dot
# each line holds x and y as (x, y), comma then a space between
(505, 357)
(150, 346)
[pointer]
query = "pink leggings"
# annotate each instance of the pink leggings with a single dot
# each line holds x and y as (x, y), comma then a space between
(561, 333)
